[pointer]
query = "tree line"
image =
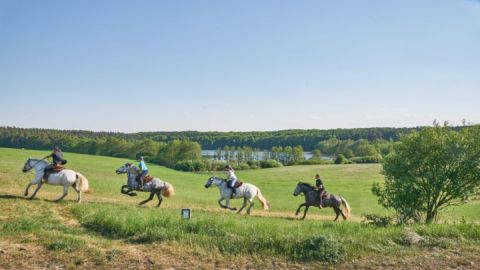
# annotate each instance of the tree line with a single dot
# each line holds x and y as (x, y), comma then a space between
(265, 140)
(182, 150)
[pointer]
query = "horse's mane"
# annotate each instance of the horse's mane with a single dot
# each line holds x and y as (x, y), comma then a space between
(306, 184)
(38, 160)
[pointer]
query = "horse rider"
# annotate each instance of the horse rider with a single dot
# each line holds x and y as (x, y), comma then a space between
(231, 179)
(142, 168)
(57, 160)
(320, 188)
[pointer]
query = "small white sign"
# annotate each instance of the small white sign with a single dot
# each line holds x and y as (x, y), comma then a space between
(186, 213)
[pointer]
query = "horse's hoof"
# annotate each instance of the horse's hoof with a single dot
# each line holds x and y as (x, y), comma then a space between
(233, 209)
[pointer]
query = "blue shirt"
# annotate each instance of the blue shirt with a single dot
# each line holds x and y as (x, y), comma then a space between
(142, 166)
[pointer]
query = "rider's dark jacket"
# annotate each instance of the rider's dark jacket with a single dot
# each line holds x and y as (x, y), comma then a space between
(57, 158)
(319, 184)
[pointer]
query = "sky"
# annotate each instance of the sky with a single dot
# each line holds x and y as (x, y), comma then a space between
(132, 66)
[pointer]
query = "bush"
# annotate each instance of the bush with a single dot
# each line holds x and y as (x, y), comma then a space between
(214, 165)
(270, 163)
(242, 166)
(378, 220)
(321, 248)
(190, 165)
(254, 164)
(367, 159)
(341, 159)
(315, 161)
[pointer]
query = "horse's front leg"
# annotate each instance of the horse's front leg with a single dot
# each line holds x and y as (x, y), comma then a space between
(152, 193)
(65, 192)
(39, 185)
(220, 203)
(227, 203)
(298, 210)
(305, 212)
(27, 188)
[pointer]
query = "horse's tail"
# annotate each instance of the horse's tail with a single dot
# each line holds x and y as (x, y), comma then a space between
(346, 205)
(168, 191)
(82, 183)
(263, 200)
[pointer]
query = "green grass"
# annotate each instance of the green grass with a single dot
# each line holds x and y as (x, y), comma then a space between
(107, 216)
(351, 181)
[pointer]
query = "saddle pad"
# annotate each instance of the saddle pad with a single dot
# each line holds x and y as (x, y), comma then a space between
(238, 184)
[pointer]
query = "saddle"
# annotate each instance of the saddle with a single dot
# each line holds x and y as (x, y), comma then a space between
(146, 179)
(237, 184)
(57, 168)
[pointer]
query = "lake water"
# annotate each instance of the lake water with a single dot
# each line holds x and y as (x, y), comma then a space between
(258, 155)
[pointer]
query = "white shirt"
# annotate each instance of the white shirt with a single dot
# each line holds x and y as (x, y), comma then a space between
(231, 175)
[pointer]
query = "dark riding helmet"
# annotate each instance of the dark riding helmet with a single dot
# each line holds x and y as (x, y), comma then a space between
(228, 167)
(56, 148)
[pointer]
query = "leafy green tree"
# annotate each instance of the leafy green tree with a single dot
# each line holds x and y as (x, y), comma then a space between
(340, 159)
(430, 170)
(146, 147)
(317, 154)
(297, 154)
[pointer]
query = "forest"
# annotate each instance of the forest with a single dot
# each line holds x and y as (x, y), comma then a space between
(182, 150)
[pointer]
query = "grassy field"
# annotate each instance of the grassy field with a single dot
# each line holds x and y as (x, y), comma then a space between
(109, 230)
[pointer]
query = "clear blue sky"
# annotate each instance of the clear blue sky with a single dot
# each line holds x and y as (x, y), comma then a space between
(238, 65)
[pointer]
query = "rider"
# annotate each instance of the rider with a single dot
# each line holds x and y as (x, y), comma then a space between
(321, 189)
(142, 168)
(57, 160)
(231, 179)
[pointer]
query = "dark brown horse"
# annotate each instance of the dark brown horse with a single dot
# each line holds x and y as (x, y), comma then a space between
(312, 199)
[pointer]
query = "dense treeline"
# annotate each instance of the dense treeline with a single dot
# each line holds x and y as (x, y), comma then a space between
(265, 140)
(182, 150)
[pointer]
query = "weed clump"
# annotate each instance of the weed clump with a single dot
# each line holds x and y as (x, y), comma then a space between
(322, 248)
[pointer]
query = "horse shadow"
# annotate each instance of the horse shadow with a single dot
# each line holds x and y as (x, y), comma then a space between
(10, 196)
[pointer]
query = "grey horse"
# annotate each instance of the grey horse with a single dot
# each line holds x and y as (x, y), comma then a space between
(155, 187)
(312, 199)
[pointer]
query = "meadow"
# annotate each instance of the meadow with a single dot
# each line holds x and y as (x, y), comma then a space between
(109, 230)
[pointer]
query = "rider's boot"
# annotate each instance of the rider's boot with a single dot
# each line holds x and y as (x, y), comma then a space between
(233, 192)
(45, 178)
(320, 195)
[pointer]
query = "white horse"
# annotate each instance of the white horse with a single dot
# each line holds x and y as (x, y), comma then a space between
(246, 191)
(65, 178)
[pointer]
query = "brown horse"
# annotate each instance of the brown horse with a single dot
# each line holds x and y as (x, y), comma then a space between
(312, 199)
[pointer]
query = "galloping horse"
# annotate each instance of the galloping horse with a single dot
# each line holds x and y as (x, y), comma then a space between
(65, 178)
(246, 191)
(155, 187)
(312, 199)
